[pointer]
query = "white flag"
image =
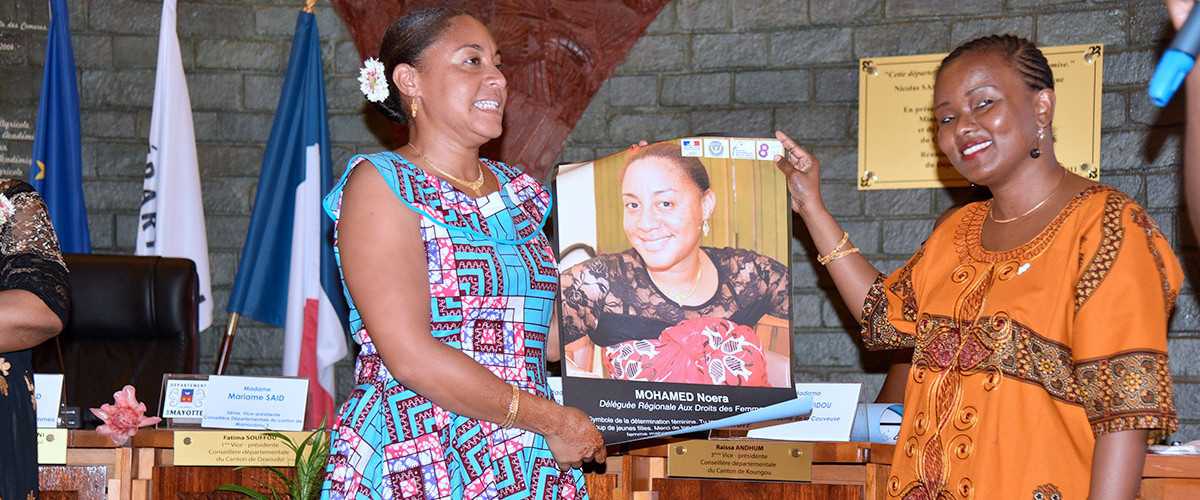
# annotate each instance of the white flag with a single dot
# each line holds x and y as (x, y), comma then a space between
(172, 215)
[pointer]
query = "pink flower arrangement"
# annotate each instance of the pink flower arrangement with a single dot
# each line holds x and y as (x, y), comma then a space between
(122, 420)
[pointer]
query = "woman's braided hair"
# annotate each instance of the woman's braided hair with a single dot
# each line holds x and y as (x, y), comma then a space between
(1022, 54)
(405, 43)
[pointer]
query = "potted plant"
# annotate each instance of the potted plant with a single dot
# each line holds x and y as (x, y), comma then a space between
(309, 474)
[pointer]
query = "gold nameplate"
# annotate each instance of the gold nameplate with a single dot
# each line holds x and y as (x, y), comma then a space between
(897, 133)
(234, 448)
(740, 459)
(52, 446)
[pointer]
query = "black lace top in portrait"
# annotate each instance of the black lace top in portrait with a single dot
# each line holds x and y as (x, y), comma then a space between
(611, 298)
(29, 260)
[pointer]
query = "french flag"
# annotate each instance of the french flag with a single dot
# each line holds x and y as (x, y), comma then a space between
(287, 276)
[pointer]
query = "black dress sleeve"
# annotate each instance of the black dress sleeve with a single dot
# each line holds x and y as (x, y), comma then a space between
(584, 288)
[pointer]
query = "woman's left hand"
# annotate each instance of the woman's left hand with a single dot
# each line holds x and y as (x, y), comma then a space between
(574, 439)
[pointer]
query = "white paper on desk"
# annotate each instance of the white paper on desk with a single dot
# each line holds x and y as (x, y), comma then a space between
(554, 385)
(269, 403)
(47, 391)
(831, 419)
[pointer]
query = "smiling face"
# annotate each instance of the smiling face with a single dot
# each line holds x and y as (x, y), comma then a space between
(461, 88)
(663, 211)
(987, 117)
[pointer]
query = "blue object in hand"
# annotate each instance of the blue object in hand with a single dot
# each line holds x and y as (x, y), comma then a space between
(1177, 61)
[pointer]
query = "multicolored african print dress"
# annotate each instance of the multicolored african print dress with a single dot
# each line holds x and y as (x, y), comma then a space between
(492, 283)
(1023, 357)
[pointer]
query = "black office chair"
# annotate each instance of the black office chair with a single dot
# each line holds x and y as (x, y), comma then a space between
(133, 318)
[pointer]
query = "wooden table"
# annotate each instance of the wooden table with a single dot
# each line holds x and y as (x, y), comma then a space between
(97, 469)
(1168, 477)
(840, 470)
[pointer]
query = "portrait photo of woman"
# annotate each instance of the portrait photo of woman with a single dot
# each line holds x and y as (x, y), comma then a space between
(687, 281)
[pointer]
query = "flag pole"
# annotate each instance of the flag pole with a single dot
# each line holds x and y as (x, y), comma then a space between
(226, 344)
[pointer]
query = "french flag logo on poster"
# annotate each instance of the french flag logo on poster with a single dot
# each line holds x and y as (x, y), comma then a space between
(691, 148)
(186, 396)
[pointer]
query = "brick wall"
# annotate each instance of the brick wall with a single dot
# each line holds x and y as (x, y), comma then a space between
(774, 64)
(234, 54)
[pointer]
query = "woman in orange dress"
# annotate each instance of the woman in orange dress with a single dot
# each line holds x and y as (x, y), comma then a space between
(1038, 318)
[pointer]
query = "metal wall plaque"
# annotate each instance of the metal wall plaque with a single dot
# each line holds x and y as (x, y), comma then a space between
(897, 145)
(740, 459)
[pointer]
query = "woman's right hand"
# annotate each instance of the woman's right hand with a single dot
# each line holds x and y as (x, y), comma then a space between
(575, 439)
(803, 173)
(1179, 10)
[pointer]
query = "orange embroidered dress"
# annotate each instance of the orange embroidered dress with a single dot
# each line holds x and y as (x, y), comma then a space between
(1023, 357)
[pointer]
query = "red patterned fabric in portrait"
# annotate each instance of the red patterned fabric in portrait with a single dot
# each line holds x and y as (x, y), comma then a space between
(705, 350)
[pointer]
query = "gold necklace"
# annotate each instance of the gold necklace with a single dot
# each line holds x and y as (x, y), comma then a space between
(1027, 212)
(678, 297)
(473, 186)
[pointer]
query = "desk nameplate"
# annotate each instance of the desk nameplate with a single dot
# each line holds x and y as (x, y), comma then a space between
(759, 460)
(234, 448)
(52, 446)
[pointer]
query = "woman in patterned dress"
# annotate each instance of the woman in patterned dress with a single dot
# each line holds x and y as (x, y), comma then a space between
(34, 300)
(1038, 318)
(451, 285)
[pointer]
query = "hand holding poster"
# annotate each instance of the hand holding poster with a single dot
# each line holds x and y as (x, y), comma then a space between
(676, 295)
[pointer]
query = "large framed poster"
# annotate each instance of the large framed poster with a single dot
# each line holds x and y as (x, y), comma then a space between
(676, 290)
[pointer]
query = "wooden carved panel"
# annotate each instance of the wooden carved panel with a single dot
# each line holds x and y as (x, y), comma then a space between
(557, 53)
(63, 482)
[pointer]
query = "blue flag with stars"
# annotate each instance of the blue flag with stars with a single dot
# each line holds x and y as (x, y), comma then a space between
(57, 170)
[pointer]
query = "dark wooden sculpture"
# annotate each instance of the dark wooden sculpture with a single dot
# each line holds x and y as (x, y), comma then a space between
(556, 53)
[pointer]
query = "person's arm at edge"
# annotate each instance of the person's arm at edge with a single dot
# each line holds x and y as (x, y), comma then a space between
(1179, 10)
(853, 274)
(380, 248)
(25, 320)
(1118, 460)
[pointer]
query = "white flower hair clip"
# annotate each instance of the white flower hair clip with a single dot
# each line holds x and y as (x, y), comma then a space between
(372, 81)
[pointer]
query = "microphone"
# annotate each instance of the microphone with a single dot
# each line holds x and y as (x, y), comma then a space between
(1177, 61)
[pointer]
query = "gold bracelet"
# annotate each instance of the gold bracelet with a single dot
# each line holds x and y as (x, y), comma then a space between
(514, 404)
(837, 255)
(829, 257)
